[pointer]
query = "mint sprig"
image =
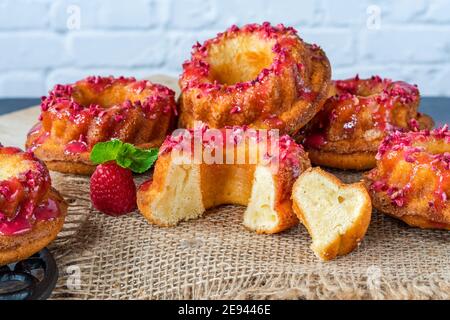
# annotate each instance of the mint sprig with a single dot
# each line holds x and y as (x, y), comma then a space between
(125, 155)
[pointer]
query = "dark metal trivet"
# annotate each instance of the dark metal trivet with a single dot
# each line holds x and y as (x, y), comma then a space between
(30, 279)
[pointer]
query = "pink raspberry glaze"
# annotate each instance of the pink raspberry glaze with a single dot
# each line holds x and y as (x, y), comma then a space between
(24, 197)
(90, 108)
(77, 146)
(197, 70)
(383, 92)
(315, 141)
(360, 105)
(418, 150)
(61, 99)
(284, 87)
(37, 136)
(289, 152)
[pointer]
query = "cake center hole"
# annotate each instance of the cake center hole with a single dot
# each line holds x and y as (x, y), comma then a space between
(109, 97)
(12, 166)
(240, 59)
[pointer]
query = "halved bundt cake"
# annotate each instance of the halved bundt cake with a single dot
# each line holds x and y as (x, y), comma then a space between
(200, 169)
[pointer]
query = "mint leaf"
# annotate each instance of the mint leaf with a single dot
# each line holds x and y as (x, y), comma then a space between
(106, 151)
(126, 155)
(137, 160)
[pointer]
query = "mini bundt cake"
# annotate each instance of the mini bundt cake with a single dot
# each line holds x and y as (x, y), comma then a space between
(260, 76)
(77, 116)
(412, 179)
(336, 215)
(31, 212)
(202, 169)
(356, 118)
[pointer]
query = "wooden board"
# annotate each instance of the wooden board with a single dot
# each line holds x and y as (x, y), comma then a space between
(15, 126)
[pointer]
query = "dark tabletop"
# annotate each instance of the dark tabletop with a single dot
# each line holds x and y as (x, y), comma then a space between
(438, 108)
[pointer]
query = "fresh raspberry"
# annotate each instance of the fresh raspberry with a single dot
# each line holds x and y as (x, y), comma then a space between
(113, 190)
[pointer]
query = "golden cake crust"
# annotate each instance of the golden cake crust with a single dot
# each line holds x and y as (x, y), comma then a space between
(412, 179)
(419, 219)
(356, 118)
(70, 167)
(77, 116)
(274, 81)
(351, 161)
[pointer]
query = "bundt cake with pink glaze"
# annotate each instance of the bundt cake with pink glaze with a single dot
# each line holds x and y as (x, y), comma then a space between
(77, 116)
(31, 212)
(411, 181)
(356, 118)
(261, 76)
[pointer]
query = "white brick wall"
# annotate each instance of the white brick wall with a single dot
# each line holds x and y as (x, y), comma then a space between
(142, 37)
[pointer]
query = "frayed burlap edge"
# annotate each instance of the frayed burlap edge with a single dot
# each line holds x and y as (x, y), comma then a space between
(294, 287)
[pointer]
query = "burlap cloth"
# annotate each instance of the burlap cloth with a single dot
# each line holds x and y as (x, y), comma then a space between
(216, 258)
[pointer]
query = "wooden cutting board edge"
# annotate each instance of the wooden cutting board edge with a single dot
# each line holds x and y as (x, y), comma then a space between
(15, 126)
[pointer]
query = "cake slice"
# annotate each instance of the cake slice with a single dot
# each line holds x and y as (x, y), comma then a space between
(336, 215)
